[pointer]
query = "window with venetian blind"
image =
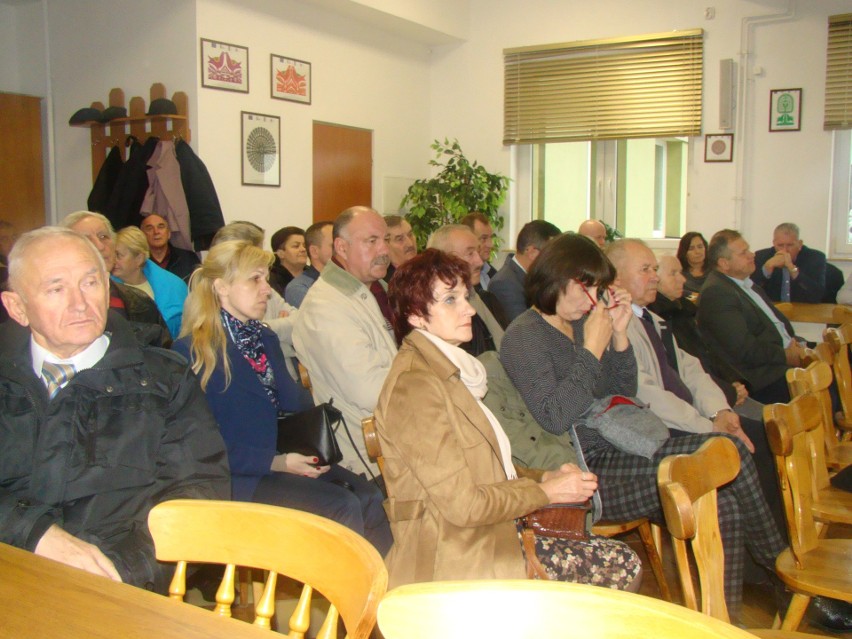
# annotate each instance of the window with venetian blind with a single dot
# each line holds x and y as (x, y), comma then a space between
(635, 87)
(838, 74)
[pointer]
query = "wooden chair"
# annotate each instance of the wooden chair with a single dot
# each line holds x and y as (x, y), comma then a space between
(513, 608)
(304, 377)
(651, 537)
(604, 529)
(688, 485)
(817, 379)
(322, 554)
(811, 566)
(830, 504)
(839, 339)
(822, 352)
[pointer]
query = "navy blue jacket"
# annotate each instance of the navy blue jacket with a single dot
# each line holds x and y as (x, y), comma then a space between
(508, 287)
(809, 286)
(247, 418)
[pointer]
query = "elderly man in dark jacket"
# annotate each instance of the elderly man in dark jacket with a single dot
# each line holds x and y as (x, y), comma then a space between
(96, 428)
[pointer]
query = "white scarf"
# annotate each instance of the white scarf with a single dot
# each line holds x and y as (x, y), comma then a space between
(473, 376)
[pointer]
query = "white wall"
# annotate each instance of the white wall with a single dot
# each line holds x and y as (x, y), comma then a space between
(362, 77)
(9, 75)
(786, 175)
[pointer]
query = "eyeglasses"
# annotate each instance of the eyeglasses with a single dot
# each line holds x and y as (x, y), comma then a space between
(602, 296)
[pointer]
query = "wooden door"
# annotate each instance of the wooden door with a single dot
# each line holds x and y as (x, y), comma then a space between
(343, 169)
(21, 163)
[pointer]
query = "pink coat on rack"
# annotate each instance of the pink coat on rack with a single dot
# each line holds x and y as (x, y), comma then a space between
(165, 195)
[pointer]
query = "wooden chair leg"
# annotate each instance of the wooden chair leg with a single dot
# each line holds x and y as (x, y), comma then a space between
(795, 612)
(648, 542)
(657, 533)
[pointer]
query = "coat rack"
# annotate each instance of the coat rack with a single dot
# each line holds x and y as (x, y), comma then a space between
(118, 132)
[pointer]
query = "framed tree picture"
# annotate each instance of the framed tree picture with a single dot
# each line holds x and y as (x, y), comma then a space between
(785, 110)
(261, 149)
(719, 147)
(224, 66)
(290, 79)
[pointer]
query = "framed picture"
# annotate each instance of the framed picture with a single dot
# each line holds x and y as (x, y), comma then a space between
(261, 149)
(224, 66)
(785, 110)
(718, 147)
(290, 79)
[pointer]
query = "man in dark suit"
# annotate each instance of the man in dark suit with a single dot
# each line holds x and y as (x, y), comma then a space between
(508, 284)
(738, 319)
(789, 271)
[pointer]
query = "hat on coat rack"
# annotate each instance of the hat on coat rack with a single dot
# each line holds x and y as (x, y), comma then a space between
(86, 114)
(113, 112)
(162, 106)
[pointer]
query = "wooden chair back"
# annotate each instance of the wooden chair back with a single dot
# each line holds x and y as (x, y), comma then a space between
(305, 378)
(822, 352)
(372, 443)
(795, 439)
(323, 555)
(816, 379)
(512, 608)
(688, 486)
(839, 340)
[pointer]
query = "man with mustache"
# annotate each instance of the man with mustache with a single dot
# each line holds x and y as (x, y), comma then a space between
(343, 333)
(402, 245)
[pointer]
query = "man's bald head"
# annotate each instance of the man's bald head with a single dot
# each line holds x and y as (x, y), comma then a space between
(594, 230)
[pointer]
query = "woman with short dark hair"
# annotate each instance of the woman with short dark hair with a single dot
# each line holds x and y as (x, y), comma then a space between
(454, 493)
(291, 257)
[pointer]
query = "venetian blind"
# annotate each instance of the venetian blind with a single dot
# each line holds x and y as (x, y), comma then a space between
(642, 86)
(838, 73)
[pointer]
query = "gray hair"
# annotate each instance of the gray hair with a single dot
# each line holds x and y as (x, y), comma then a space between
(788, 227)
(616, 251)
(72, 219)
(719, 246)
(345, 219)
(440, 238)
(30, 239)
(240, 231)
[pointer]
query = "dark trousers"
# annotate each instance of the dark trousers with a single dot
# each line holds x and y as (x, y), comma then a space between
(776, 393)
(338, 494)
(628, 489)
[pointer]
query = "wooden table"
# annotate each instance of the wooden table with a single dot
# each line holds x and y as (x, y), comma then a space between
(521, 608)
(815, 313)
(43, 598)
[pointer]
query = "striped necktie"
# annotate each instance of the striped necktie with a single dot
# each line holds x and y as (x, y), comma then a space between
(56, 376)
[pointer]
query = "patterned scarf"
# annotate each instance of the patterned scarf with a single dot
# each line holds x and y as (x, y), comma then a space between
(247, 338)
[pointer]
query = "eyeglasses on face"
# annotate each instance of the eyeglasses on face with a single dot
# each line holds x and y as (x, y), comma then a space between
(605, 295)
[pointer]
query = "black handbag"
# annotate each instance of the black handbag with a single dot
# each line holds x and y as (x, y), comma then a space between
(311, 432)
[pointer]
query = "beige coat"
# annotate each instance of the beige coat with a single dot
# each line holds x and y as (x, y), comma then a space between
(451, 507)
(346, 344)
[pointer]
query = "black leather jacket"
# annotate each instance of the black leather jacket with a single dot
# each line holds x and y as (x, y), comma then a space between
(129, 433)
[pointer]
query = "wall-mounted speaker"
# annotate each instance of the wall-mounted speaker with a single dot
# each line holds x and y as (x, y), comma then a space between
(727, 93)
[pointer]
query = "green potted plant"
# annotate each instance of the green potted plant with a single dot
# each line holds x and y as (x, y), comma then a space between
(460, 187)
